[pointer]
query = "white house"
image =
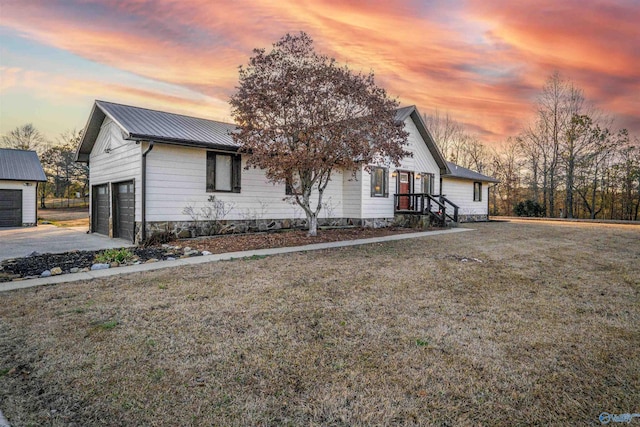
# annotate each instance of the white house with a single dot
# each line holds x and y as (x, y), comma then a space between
(20, 173)
(469, 190)
(152, 171)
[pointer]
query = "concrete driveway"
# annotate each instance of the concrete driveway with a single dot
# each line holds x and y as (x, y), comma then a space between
(20, 242)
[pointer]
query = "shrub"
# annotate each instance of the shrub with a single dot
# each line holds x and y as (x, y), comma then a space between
(120, 256)
(529, 208)
(158, 239)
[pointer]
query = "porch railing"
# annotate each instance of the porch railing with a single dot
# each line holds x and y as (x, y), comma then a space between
(426, 204)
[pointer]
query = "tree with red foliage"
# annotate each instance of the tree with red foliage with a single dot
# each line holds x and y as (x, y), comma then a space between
(302, 117)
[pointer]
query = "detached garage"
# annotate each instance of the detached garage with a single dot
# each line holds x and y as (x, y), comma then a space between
(20, 172)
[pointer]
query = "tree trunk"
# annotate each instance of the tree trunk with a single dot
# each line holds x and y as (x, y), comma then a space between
(569, 189)
(312, 220)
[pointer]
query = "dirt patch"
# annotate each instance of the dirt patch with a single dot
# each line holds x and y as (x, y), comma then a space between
(243, 242)
(543, 331)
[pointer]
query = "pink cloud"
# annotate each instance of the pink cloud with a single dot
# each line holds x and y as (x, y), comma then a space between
(483, 63)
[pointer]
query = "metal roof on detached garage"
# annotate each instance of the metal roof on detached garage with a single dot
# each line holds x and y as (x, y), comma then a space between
(464, 173)
(20, 165)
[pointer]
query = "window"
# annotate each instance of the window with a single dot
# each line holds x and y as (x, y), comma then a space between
(427, 183)
(223, 172)
(379, 182)
(477, 191)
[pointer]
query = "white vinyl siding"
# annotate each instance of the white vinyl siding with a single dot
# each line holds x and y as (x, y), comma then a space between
(460, 192)
(421, 162)
(28, 198)
(114, 159)
(176, 179)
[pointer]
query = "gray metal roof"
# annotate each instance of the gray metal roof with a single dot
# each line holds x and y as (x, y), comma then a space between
(464, 173)
(20, 165)
(404, 112)
(158, 126)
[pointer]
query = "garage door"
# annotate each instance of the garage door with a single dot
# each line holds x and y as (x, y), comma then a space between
(10, 208)
(124, 210)
(100, 209)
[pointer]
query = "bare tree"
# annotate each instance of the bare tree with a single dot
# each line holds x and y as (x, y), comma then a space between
(25, 137)
(506, 165)
(456, 144)
(62, 172)
(302, 117)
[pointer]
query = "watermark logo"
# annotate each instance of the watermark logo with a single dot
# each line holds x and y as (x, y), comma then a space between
(606, 418)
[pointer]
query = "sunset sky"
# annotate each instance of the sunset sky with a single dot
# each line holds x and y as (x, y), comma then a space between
(482, 61)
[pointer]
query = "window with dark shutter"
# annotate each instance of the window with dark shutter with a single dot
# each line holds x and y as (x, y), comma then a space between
(223, 172)
(379, 182)
(428, 183)
(477, 191)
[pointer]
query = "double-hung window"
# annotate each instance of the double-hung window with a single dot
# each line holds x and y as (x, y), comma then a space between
(379, 182)
(223, 172)
(477, 191)
(427, 183)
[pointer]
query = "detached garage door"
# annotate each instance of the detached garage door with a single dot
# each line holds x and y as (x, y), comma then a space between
(10, 208)
(123, 211)
(100, 209)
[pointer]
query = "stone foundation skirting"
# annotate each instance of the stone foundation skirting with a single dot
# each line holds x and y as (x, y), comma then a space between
(187, 229)
(473, 218)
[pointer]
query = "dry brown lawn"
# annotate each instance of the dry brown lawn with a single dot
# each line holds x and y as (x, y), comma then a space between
(544, 331)
(65, 217)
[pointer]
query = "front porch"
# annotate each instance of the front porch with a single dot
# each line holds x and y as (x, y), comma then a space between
(438, 207)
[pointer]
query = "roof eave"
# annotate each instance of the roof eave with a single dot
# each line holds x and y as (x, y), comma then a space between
(183, 143)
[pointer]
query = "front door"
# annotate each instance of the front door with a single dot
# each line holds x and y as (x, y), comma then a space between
(404, 188)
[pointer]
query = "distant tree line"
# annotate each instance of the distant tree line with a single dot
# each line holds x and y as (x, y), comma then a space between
(65, 178)
(567, 162)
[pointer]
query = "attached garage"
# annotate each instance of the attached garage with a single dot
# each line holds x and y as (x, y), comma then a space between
(100, 211)
(123, 210)
(20, 172)
(115, 201)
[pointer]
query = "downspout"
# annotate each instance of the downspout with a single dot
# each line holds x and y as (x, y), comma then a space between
(143, 200)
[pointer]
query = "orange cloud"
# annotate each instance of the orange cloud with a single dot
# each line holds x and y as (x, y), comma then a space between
(484, 62)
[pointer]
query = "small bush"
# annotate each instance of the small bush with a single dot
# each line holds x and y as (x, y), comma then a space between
(529, 208)
(120, 256)
(158, 239)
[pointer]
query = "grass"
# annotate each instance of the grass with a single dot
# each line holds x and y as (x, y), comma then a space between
(120, 256)
(544, 331)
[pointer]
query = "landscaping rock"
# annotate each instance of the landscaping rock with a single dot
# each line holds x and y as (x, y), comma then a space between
(206, 253)
(151, 260)
(99, 266)
(45, 273)
(114, 264)
(55, 271)
(186, 249)
(170, 258)
(74, 270)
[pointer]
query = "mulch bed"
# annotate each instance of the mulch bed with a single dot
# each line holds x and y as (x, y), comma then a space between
(33, 266)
